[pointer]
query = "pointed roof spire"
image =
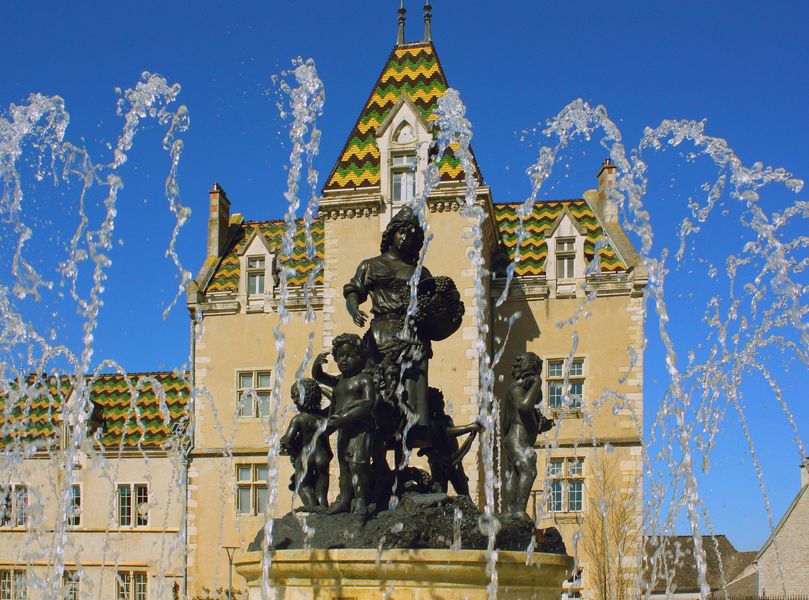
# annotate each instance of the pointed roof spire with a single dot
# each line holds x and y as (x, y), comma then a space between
(402, 12)
(428, 16)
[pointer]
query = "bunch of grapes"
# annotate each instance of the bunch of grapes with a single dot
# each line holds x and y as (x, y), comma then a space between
(439, 310)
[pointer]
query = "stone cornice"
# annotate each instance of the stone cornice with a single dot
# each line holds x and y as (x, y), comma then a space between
(350, 206)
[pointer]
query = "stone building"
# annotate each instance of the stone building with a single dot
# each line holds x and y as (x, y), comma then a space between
(577, 289)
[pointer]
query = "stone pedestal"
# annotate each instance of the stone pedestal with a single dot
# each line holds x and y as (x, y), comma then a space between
(345, 574)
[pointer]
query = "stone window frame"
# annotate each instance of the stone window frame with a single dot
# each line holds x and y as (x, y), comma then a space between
(256, 394)
(133, 518)
(571, 404)
(254, 479)
(15, 515)
(10, 580)
(565, 255)
(562, 482)
(253, 271)
(402, 169)
(131, 584)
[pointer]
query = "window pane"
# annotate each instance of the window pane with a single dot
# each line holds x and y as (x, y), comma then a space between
(142, 505)
(243, 473)
(577, 368)
(140, 586)
(555, 468)
(123, 584)
(245, 381)
(261, 499)
(410, 187)
(255, 262)
(555, 394)
(19, 586)
(5, 584)
(263, 405)
(576, 393)
(124, 506)
(255, 283)
(555, 369)
(74, 516)
(261, 472)
(564, 268)
(574, 467)
(70, 581)
(396, 192)
(21, 501)
(243, 500)
(564, 245)
(246, 405)
(263, 380)
(575, 496)
(555, 499)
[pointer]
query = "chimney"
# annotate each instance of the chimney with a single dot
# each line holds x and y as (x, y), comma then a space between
(805, 472)
(218, 221)
(607, 207)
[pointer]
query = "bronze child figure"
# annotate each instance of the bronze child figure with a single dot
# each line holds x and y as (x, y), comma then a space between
(523, 422)
(307, 445)
(351, 415)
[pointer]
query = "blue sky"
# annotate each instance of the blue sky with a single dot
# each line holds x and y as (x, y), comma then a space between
(741, 66)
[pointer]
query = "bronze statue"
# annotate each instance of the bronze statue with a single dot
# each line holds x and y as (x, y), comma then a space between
(445, 455)
(351, 415)
(307, 445)
(385, 279)
(523, 422)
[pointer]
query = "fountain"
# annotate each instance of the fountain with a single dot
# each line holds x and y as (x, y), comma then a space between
(191, 460)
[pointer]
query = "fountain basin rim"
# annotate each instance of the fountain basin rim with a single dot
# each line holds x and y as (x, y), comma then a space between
(405, 567)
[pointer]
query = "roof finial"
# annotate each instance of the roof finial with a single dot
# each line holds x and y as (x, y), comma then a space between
(428, 16)
(402, 13)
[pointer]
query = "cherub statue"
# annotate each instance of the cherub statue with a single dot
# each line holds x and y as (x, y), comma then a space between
(445, 455)
(351, 415)
(523, 422)
(307, 445)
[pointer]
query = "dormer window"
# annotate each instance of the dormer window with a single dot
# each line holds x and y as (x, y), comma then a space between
(565, 258)
(255, 275)
(403, 177)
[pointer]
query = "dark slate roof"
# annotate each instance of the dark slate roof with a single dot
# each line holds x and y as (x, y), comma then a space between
(225, 277)
(412, 69)
(534, 251)
(676, 560)
(140, 410)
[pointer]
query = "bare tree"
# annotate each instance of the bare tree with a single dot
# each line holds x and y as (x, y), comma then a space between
(611, 531)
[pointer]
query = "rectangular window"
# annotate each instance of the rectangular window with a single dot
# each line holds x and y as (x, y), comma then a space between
(70, 585)
(74, 512)
(403, 177)
(255, 275)
(565, 258)
(13, 584)
(14, 503)
(253, 393)
(566, 484)
(133, 504)
(131, 585)
(251, 489)
(123, 584)
(565, 394)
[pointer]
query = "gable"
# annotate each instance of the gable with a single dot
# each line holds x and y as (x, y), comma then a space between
(227, 273)
(541, 222)
(415, 70)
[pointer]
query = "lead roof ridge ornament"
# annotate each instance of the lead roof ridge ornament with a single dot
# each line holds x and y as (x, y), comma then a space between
(428, 17)
(402, 12)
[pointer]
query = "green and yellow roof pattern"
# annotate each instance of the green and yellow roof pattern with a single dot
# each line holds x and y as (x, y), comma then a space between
(138, 409)
(534, 250)
(134, 413)
(34, 415)
(413, 70)
(226, 276)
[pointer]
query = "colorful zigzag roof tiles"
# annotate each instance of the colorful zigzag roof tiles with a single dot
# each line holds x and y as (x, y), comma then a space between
(226, 276)
(534, 251)
(137, 409)
(413, 70)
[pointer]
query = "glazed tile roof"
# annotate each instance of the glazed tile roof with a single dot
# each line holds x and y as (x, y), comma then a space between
(226, 276)
(137, 409)
(35, 415)
(415, 70)
(534, 249)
